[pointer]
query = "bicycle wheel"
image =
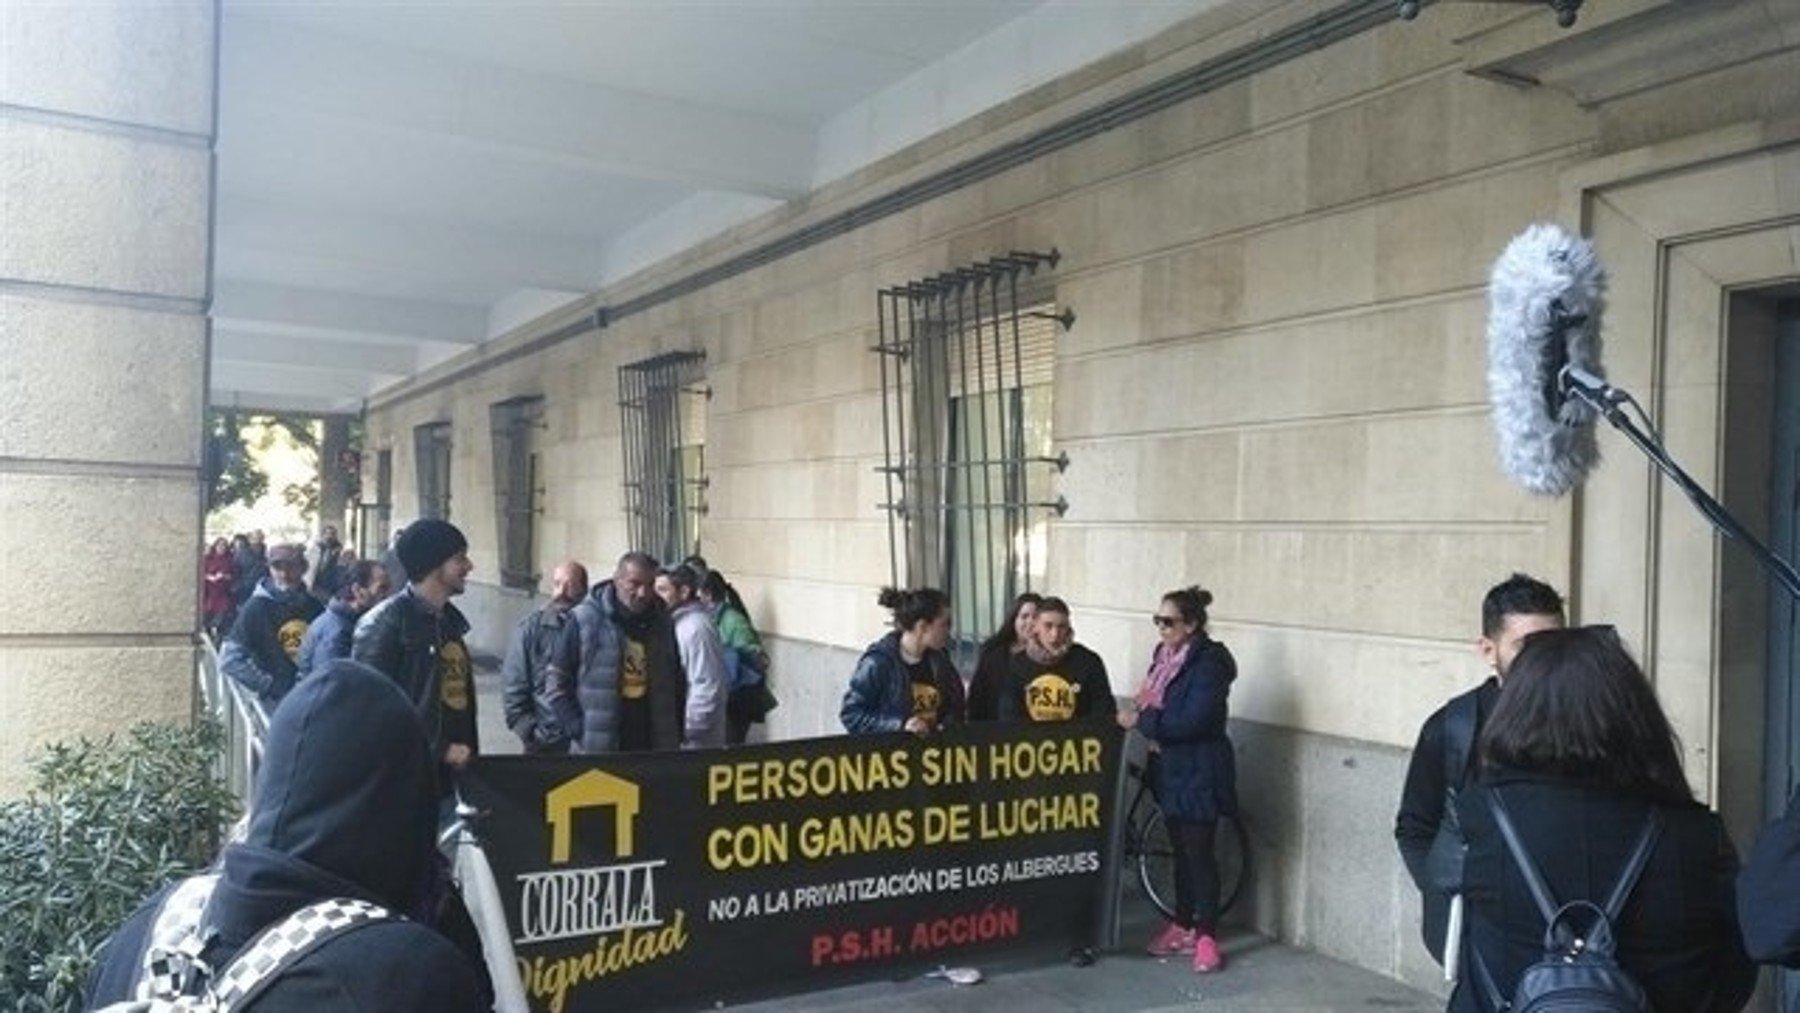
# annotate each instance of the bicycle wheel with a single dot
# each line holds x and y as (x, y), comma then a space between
(1231, 845)
(1155, 856)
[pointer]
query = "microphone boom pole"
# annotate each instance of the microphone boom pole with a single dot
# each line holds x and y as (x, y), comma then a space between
(1606, 400)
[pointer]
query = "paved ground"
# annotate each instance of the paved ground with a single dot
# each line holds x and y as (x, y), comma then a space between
(1261, 975)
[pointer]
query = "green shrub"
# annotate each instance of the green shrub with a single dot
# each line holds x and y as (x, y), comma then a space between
(107, 823)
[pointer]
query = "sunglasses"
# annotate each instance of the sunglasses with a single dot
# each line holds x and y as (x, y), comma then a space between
(1164, 622)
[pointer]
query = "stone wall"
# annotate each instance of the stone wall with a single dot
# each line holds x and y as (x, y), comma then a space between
(1274, 388)
(106, 133)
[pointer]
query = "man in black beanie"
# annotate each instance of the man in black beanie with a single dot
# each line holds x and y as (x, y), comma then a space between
(416, 638)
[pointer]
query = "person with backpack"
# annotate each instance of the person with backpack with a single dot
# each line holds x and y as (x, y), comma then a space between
(334, 899)
(1443, 761)
(1593, 879)
(746, 662)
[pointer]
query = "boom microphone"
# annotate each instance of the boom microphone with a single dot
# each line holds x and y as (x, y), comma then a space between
(1545, 298)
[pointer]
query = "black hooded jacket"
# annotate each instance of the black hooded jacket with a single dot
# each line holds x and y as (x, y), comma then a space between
(345, 807)
(263, 648)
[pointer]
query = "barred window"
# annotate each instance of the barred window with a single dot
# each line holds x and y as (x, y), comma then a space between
(375, 519)
(966, 364)
(517, 495)
(431, 453)
(662, 405)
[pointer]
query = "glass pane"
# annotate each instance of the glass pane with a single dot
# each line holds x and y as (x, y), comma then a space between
(996, 531)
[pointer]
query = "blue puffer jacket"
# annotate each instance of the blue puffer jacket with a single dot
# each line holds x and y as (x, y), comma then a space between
(880, 695)
(1196, 771)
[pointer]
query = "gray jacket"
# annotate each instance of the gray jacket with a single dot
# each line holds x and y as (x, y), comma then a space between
(539, 697)
(703, 659)
(598, 641)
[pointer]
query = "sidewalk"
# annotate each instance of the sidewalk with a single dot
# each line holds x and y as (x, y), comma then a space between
(1260, 975)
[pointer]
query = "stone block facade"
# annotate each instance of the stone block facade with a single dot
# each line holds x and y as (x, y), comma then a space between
(1274, 387)
(106, 126)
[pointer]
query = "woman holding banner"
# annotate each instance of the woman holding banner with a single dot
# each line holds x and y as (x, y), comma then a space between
(905, 681)
(1182, 711)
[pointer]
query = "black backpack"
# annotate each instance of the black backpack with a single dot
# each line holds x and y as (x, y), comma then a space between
(1579, 971)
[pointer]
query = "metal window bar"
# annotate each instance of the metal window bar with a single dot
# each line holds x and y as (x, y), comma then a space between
(431, 450)
(375, 517)
(962, 366)
(662, 409)
(517, 496)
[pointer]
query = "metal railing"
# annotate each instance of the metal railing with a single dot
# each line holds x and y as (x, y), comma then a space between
(240, 715)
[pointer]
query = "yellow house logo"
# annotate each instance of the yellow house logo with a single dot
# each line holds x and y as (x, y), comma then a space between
(592, 790)
(612, 908)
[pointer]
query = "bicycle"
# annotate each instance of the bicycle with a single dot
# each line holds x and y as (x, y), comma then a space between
(1147, 847)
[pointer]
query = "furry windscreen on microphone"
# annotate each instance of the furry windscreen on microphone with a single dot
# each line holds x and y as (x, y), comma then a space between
(1544, 303)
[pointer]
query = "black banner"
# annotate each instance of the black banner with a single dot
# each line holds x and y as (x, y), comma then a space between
(683, 879)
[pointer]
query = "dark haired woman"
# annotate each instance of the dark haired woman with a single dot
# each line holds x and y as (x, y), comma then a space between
(1182, 711)
(746, 663)
(1581, 759)
(905, 681)
(997, 653)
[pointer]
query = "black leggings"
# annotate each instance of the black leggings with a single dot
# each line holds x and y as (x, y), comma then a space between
(1196, 875)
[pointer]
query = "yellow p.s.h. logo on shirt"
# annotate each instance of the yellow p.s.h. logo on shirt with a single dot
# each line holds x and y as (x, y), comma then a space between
(289, 635)
(1051, 697)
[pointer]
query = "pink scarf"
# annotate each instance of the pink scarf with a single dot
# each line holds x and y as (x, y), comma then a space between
(1164, 666)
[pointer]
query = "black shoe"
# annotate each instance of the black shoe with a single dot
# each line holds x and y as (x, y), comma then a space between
(1082, 956)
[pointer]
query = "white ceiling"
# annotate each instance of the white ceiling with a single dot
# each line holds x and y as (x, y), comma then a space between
(402, 179)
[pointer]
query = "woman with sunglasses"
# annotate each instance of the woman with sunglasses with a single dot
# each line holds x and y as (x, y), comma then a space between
(1182, 711)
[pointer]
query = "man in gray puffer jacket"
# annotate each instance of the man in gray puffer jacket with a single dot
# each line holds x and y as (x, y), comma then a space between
(627, 670)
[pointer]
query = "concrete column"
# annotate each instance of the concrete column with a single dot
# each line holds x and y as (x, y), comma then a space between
(106, 182)
(334, 481)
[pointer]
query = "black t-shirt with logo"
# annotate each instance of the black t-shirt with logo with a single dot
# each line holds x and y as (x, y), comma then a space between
(1073, 686)
(635, 733)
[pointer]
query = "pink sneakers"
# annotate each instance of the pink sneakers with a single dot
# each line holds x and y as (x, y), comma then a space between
(1173, 939)
(1207, 957)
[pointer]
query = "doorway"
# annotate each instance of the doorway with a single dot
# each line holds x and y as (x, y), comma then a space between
(1759, 623)
(1784, 611)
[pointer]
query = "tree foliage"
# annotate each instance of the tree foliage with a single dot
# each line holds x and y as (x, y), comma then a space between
(234, 440)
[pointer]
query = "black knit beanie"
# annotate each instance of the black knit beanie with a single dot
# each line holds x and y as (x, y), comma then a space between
(425, 544)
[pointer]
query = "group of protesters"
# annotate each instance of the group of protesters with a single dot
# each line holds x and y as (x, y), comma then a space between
(1032, 669)
(1557, 781)
(652, 657)
(231, 570)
